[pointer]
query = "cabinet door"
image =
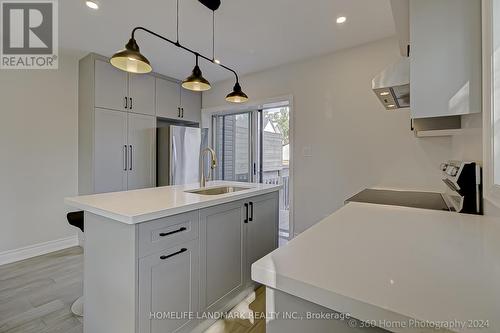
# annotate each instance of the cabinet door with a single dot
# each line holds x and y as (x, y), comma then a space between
(110, 151)
(141, 151)
(168, 282)
(221, 255)
(111, 86)
(261, 229)
(191, 105)
(142, 93)
(167, 99)
(445, 61)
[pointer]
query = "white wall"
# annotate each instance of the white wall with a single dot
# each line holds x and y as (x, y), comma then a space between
(38, 152)
(355, 143)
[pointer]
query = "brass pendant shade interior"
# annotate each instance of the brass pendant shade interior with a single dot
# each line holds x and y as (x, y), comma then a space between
(131, 60)
(237, 95)
(196, 81)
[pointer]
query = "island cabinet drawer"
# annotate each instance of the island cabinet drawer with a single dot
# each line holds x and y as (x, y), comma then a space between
(170, 231)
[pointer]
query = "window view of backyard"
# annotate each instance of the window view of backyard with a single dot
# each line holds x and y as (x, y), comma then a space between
(264, 159)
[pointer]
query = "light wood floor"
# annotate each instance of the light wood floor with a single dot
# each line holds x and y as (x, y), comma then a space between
(36, 296)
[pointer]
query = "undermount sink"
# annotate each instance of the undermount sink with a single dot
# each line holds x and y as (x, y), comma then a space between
(218, 190)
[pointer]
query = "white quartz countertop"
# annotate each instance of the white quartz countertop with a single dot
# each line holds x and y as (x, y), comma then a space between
(138, 206)
(397, 264)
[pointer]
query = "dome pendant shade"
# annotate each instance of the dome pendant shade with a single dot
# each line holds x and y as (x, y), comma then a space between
(196, 81)
(131, 60)
(237, 95)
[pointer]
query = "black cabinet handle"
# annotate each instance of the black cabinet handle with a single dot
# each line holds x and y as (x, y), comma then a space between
(173, 254)
(130, 157)
(131, 103)
(182, 115)
(246, 213)
(179, 112)
(125, 157)
(251, 212)
(165, 234)
(126, 103)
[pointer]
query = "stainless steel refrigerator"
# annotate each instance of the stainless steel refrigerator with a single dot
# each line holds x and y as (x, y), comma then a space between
(178, 155)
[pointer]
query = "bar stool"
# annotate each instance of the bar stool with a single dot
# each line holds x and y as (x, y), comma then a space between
(76, 219)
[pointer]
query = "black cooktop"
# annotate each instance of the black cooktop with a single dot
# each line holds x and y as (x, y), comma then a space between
(425, 200)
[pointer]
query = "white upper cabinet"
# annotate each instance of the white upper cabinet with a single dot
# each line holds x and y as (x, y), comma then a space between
(118, 90)
(111, 87)
(167, 99)
(445, 57)
(190, 106)
(141, 94)
(174, 102)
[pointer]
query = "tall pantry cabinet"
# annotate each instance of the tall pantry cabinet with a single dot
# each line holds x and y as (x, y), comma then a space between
(116, 128)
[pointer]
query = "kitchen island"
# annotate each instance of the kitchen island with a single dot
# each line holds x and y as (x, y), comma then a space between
(158, 260)
(373, 268)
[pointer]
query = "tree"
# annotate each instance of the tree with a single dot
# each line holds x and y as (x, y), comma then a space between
(281, 119)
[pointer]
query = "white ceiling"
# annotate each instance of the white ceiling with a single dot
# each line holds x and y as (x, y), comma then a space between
(251, 35)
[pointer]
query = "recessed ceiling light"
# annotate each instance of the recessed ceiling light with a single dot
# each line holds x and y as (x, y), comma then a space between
(391, 105)
(341, 19)
(92, 4)
(217, 61)
(385, 93)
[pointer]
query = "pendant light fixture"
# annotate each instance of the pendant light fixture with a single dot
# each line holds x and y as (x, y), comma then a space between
(196, 81)
(131, 60)
(237, 95)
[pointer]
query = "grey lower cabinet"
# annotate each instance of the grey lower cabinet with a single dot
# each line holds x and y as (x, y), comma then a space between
(168, 282)
(222, 254)
(261, 236)
(232, 237)
(157, 276)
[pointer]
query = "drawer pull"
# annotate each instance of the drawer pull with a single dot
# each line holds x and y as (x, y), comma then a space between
(173, 254)
(165, 234)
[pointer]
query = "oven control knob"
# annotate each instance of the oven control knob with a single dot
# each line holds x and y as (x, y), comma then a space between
(444, 166)
(453, 171)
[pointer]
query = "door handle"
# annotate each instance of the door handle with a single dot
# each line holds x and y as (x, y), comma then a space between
(165, 234)
(246, 213)
(130, 157)
(251, 212)
(126, 103)
(125, 157)
(173, 254)
(131, 105)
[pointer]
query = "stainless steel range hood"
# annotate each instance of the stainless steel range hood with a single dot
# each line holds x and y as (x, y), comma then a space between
(392, 86)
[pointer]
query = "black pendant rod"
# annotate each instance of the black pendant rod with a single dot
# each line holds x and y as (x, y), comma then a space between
(185, 48)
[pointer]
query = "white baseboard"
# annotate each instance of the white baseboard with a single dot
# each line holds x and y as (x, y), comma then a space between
(31, 251)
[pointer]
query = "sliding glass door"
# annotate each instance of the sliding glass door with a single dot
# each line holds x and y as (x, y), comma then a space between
(254, 146)
(233, 147)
